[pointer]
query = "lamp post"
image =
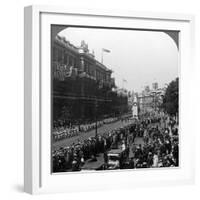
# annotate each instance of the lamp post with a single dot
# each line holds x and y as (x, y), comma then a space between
(96, 105)
(96, 109)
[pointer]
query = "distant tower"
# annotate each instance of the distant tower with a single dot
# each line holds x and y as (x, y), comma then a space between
(147, 89)
(135, 108)
(155, 86)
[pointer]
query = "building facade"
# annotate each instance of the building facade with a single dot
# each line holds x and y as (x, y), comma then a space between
(150, 101)
(82, 87)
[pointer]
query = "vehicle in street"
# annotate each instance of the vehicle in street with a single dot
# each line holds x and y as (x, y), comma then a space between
(93, 164)
(117, 158)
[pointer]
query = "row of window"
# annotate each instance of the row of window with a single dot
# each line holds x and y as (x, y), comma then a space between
(63, 57)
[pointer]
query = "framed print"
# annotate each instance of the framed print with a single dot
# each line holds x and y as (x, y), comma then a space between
(106, 99)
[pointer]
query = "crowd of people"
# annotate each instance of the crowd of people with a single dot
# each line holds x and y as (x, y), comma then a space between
(73, 157)
(159, 148)
(62, 130)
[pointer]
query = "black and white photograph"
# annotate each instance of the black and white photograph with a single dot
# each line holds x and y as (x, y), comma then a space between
(114, 99)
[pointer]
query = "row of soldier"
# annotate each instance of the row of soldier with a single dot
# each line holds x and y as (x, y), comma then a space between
(63, 129)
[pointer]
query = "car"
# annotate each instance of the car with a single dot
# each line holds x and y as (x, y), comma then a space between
(116, 158)
(93, 165)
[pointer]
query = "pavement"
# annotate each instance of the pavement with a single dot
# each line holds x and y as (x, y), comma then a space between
(139, 140)
(93, 165)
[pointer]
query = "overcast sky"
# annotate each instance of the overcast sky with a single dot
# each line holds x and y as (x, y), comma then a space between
(139, 57)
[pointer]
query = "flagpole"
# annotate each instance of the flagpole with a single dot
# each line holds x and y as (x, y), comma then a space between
(102, 56)
(103, 50)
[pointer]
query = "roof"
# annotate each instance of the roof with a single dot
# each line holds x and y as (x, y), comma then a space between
(115, 151)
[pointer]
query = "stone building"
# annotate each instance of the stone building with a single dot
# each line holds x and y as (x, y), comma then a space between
(150, 101)
(82, 87)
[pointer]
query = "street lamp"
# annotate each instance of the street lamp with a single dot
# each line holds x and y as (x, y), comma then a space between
(96, 105)
(96, 109)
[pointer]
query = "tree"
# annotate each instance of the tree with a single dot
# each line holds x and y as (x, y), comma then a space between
(171, 97)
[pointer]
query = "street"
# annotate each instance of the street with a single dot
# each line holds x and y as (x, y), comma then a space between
(85, 135)
(100, 160)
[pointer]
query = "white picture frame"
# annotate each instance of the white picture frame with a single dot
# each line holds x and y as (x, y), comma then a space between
(37, 170)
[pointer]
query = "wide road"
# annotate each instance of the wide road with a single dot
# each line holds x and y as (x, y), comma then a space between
(86, 135)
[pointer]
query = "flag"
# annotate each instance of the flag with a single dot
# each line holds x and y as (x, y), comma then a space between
(106, 50)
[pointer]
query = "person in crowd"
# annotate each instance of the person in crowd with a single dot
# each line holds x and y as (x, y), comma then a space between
(155, 160)
(159, 148)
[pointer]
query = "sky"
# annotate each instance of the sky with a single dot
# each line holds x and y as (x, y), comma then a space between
(139, 57)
